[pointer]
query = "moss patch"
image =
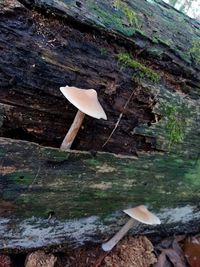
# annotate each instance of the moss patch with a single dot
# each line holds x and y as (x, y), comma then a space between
(128, 12)
(20, 178)
(175, 124)
(195, 51)
(113, 18)
(141, 70)
(55, 155)
(80, 188)
(158, 40)
(104, 51)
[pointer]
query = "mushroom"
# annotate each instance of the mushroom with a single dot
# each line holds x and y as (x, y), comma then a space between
(87, 103)
(137, 214)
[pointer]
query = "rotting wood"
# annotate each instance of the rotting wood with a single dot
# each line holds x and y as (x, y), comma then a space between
(157, 29)
(51, 197)
(60, 50)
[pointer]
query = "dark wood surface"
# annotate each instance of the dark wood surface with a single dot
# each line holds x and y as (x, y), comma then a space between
(40, 53)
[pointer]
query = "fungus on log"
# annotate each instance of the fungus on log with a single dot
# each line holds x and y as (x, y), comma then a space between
(146, 73)
(87, 103)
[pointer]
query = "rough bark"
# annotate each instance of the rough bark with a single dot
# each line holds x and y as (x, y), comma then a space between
(80, 47)
(84, 44)
(50, 197)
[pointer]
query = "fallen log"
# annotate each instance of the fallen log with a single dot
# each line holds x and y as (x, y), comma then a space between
(51, 197)
(55, 52)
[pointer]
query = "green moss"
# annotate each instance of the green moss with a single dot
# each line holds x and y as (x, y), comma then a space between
(133, 181)
(128, 12)
(112, 19)
(192, 176)
(143, 33)
(103, 51)
(93, 163)
(18, 181)
(100, 194)
(157, 40)
(195, 51)
(141, 70)
(175, 125)
(55, 155)
(21, 178)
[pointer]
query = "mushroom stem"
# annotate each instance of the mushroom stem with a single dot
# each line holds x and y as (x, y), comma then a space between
(118, 236)
(71, 134)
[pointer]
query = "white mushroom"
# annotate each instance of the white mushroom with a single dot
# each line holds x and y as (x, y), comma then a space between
(87, 103)
(137, 214)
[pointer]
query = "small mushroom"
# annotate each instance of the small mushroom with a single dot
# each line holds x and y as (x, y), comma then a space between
(137, 214)
(87, 103)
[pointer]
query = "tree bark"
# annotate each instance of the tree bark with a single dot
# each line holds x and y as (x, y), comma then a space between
(80, 47)
(53, 197)
(149, 53)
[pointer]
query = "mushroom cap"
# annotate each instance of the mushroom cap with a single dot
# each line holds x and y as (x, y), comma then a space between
(85, 100)
(142, 214)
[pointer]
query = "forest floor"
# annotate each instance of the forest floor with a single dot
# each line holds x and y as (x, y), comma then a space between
(176, 251)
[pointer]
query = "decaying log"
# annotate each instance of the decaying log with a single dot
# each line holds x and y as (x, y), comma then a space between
(53, 197)
(48, 196)
(41, 53)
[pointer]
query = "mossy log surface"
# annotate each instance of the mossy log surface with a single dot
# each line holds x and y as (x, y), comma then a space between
(153, 25)
(48, 196)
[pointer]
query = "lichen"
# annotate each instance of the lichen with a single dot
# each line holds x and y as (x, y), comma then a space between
(141, 70)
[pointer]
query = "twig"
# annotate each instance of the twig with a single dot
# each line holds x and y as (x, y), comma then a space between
(119, 119)
(38, 171)
(100, 259)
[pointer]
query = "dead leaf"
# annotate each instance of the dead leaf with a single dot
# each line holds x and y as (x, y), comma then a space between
(192, 251)
(172, 254)
(5, 261)
(176, 247)
(163, 261)
(175, 258)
